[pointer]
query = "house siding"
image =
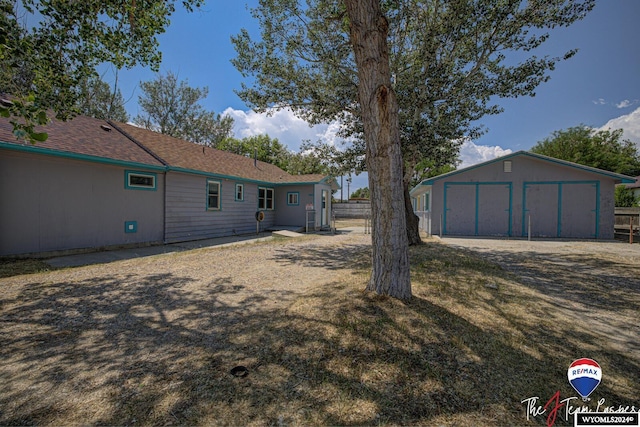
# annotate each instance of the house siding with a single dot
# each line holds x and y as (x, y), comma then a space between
(559, 200)
(187, 216)
(293, 215)
(55, 204)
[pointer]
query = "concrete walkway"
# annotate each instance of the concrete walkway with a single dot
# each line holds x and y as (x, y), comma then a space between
(103, 257)
(120, 254)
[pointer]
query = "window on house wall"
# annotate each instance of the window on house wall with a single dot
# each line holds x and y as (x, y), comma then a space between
(213, 195)
(507, 165)
(426, 202)
(293, 199)
(265, 198)
(239, 192)
(140, 180)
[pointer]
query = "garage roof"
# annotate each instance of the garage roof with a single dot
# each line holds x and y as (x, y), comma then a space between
(619, 178)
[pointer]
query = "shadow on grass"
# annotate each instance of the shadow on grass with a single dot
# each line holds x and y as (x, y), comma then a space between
(150, 350)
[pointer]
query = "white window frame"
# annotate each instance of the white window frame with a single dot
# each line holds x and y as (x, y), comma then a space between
(211, 182)
(296, 196)
(130, 174)
(263, 202)
(241, 192)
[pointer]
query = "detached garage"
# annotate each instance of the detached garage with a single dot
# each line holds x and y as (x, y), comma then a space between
(518, 194)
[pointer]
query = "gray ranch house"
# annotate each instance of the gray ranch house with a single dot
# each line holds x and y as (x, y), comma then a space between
(518, 195)
(96, 184)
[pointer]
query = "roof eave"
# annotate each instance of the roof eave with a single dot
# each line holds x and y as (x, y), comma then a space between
(78, 156)
(619, 178)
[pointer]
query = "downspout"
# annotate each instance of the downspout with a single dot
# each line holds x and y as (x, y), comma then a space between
(164, 210)
(166, 166)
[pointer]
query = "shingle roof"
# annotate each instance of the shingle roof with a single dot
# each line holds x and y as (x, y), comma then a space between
(615, 176)
(85, 136)
(186, 155)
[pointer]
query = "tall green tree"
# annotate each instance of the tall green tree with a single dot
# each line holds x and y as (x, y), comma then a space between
(97, 100)
(172, 107)
(344, 39)
(416, 71)
(260, 147)
(270, 150)
(48, 48)
(602, 149)
(360, 193)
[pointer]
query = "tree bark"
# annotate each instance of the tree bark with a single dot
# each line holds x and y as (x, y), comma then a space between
(390, 273)
(413, 222)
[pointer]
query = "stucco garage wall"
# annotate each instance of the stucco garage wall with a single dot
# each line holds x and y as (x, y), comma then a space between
(52, 204)
(560, 200)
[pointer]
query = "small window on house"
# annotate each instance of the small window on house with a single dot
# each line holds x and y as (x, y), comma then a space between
(426, 202)
(265, 198)
(293, 199)
(507, 165)
(239, 192)
(213, 195)
(140, 180)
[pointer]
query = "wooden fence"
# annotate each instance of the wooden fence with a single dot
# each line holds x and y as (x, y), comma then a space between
(627, 224)
(353, 209)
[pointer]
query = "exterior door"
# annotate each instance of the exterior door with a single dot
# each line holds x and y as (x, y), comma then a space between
(324, 211)
(579, 208)
(494, 210)
(541, 203)
(460, 215)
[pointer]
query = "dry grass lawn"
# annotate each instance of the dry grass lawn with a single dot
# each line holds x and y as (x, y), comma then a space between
(151, 341)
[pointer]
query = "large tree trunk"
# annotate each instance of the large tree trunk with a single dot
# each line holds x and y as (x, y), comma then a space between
(413, 222)
(379, 106)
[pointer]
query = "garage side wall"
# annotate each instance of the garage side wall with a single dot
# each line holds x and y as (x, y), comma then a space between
(50, 204)
(559, 200)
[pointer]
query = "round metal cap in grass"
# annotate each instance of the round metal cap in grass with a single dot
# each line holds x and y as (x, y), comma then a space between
(239, 372)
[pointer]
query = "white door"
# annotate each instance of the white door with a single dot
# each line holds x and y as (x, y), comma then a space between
(324, 211)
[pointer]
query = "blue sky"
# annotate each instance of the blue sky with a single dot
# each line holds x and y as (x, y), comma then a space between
(599, 87)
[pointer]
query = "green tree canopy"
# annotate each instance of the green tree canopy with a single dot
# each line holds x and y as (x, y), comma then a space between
(361, 193)
(96, 99)
(449, 61)
(624, 197)
(602, 149)
(172, 108)
(312, 159)
(261, 147)
(49, 48)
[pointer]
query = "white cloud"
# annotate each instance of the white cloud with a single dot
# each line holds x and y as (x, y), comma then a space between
(624, 104)
(290, 130)
(472, 154)
(630, 123)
